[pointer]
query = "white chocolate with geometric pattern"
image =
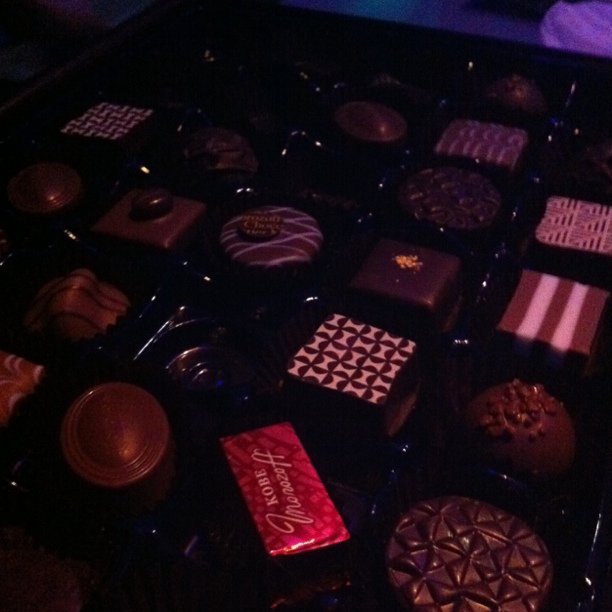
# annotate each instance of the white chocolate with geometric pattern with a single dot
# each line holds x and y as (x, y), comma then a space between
(107, 121)
(576, 224)
(353, 358)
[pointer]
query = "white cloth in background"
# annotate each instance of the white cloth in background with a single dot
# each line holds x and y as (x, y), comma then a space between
(584, 27)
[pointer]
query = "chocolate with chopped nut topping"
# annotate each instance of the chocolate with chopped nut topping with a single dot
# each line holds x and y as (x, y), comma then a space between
(524, 427)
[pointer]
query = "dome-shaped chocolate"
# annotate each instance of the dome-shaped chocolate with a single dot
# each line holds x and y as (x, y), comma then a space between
(371, 122)
(45, 189)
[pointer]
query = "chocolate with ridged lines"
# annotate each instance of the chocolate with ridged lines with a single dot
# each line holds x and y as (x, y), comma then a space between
(450, 197)
(75, 307)
(457, 553)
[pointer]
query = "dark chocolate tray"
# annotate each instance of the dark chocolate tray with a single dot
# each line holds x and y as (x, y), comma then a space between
(215, 345)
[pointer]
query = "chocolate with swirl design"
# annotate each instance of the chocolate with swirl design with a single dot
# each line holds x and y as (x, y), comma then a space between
(450, 197)
(457, 553)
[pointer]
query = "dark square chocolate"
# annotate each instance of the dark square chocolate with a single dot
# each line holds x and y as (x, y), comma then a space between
(420, 286)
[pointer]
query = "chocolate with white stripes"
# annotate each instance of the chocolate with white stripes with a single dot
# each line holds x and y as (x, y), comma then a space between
(556, 314)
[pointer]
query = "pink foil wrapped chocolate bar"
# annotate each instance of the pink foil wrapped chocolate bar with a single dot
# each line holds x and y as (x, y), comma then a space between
(283, 492)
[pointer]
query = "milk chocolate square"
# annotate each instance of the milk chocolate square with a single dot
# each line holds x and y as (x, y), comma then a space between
(141, 217)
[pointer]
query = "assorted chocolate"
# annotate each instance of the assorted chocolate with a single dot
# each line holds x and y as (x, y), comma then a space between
(348, 351)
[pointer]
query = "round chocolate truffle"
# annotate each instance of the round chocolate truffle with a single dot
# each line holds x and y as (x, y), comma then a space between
(45, 189)
(457, 553)
(516, 93)
(523, 427)
(271, 237)
(450, 197)
(371, 123)
(116, 437)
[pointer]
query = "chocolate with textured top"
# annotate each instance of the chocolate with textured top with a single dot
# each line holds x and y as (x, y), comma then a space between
(457, 553)
(557, 314)
(116, 436)
(489, 144)
(425, 284)
(524, 427)
(107, 121)
(451, 197)
(18, 379)
(515, 92)
(45, 189)
(75, 307)
(153, 218)
(348, 357)
(578, 225)
(371, 122)
(297, 242)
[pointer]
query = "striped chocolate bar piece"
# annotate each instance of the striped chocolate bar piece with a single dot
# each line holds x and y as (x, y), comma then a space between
(558, 313)
(574, 224)
(485, 143)
(286, 498)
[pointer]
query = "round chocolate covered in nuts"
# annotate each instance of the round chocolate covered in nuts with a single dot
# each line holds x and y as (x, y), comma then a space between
(45, 189)
(457, 553)
(516, 93)
(521, 426)
(450, 197)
